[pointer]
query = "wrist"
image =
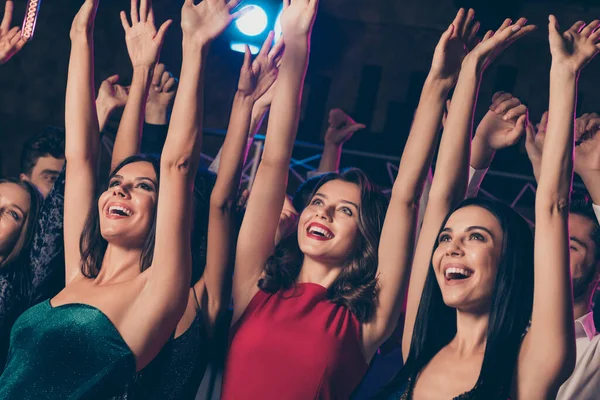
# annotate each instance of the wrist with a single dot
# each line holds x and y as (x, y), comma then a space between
(195, 45)
(482, 154)
(156, 115)
(103, 109)
(473, 64)
(563, 70)
(244, 98)
(435, 84)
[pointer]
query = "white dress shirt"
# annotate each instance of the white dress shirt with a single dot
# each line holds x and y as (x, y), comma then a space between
(584, 383)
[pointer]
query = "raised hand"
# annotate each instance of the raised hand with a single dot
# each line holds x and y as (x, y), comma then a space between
(83, 23)
(297, 19)
(11, 41)
(161, 96)
(204, 22)
(111, 95)
(258, 76)
(455, 43)
(575, 47)
(501, 127)
(534, 143)
(142, 38)
(341, 127)
(494, 43)
(287, 221)
(587, 151)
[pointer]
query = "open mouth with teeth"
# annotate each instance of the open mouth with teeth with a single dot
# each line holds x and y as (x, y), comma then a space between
(119, 211)
(319, 232)
(457, 274)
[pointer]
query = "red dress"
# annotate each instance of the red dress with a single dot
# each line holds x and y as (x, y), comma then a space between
(294, 344)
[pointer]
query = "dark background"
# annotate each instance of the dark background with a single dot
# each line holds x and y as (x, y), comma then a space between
(369, 57)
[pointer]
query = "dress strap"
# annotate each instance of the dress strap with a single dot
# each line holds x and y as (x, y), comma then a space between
(196, 298)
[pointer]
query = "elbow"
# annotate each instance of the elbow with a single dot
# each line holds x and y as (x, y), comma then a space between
(222, 204)
(551, 204)
(182, 165)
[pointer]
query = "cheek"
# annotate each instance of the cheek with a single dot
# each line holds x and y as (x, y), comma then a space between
(9, 234)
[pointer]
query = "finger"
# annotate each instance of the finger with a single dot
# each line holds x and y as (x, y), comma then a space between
(516, 112)
(7, 18)
(162, 31)
(507, 22)
(473, 34)
(135, 17)
(19, 45)
(529, 133)
(446, 35)
(233, 4)
(277, 50)
(497, 95)
(577, 27)
(593, 124)
(543, 122)
(595, 36)
(264, 51)
(467, 24)
(355, 127)
(124, 21)
(459, 20)
(164, 78)
(112, 79)
(286, 4)
(143, 10)
(507, 105)
(498, 99)
(239, 14)
(158, 72)
(247, 58)
(169, 85)
(591, 28)
(519, 129)
(552, 24)
(487, 35)
(151, 14)
(13, 34)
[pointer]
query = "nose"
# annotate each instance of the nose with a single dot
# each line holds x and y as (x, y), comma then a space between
(120, 191)
(454, 249)
(325, 214)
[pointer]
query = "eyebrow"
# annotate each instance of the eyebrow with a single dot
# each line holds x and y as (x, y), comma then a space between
(17, 207)
(472, 228)
(578, 241)
(50, 172)
(343, 201)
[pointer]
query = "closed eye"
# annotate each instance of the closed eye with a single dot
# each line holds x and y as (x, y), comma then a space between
(146, 187)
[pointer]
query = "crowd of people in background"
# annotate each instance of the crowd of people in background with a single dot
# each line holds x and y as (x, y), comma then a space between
(147, 277)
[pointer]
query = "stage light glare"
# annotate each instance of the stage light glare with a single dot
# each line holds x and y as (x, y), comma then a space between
(241, 47)
(254, 22)
(278, 27)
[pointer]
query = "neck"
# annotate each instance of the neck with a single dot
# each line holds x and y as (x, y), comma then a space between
(471, 333)
(319, 272)
(119, 264)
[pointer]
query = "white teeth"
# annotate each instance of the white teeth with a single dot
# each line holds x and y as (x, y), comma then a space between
(455, 270)
(124, 210)
(318, 230)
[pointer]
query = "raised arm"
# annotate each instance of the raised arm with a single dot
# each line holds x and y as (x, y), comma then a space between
(11, 41)
(168, 280)
(81, 136)
(340, 130)
(111, 96)
(143, 44)
(255, 80)
(268, 192)
(397, 237)
(452, 169)
(552, 322)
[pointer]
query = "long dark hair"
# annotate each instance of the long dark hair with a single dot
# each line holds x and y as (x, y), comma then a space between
(510, 310)
(356, 287)
(93, 246)
(26, 235)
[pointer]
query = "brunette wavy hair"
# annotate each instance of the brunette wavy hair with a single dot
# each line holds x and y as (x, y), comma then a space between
(93, 246)
(356, 287)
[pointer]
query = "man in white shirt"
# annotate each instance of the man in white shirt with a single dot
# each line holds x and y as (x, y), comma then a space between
(495, 133)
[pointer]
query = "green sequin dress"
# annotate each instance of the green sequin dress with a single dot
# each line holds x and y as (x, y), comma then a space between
(71, 351)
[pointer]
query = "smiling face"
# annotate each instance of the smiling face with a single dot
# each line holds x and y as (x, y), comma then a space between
(127, 208)
(328, 227)
(467, 258)
(14, 208)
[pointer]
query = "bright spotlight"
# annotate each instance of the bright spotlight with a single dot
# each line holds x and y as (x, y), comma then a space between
(254, 22)
(241, 47)
(277, 28)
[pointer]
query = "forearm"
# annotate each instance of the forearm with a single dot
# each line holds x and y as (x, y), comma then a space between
(182, 146)
(591, 180)
(233, 154)
(104, 113)
(330, 158)
(452, 169)
(420, 146)
(557, 159)
(482, 154)
(81, 120)
(129, 135)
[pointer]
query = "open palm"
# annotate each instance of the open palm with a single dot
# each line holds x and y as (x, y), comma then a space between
(10, 38)
(577, 46)
(298, 18)
(206, 21)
